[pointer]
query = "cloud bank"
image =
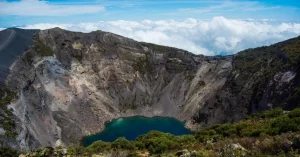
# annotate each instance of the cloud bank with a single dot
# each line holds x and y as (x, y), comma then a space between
(43, 8)
(210, 37)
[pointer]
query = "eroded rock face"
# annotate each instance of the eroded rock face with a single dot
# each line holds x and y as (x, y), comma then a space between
(93, 78)
(262, 78)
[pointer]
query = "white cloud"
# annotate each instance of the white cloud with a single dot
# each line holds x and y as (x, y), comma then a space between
(216, 36)
(43, 8)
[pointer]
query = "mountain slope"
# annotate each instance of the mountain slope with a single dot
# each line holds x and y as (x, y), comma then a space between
(13, 43)
(69, 84)
(262, 78)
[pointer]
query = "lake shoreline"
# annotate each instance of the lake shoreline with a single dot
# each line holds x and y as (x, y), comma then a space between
(133, 125)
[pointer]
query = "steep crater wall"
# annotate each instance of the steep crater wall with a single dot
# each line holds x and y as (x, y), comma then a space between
(69, 84)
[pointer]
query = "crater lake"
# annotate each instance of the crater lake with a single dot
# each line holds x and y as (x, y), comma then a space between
(132, 127)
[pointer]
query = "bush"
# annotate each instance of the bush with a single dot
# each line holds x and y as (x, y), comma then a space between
(284, 124)
(157, 142)
(139, 145)
(157, 147)
(267, 114)
(41, 48)
(185, 139)
(122, 143)
(99, 146)
(76, 150)
(6, 121)
(6, 151)
(294, 113)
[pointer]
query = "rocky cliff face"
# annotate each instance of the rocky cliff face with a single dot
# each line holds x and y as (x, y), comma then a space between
(262, 78)
(69, 84)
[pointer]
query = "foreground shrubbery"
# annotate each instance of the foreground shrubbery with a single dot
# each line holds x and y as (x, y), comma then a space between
(272, 122)
(270, 133)
(8, 152)
(6, 121)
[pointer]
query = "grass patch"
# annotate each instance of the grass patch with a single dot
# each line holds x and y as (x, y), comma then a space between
(41, 48)
(6, 122)
(143, 66)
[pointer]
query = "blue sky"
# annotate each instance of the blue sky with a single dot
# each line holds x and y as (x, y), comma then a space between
(209, 27)
(24, 12)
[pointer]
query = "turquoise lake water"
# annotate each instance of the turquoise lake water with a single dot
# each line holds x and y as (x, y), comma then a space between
(132, 127)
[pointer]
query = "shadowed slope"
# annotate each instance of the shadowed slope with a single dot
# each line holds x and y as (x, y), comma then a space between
(13, 42)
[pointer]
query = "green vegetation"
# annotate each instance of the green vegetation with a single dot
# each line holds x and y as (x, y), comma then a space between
(78, 56)
(6, 123)
(255, 60)
(295, 93)
(41, 48)
(143, 66)
(122, 143)
(156, 142)
(6, 96)
(274, 122)
(99, 146)
(255, 68)
(292, 50)
(28, 56)
(269, 133)
(176, 64)
(8, 152)
(269, 59)
(159, 48)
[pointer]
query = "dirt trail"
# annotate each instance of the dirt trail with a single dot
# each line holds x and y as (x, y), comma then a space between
(11, 36)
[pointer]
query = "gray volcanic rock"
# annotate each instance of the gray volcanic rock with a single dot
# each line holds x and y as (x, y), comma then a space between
(70, 83)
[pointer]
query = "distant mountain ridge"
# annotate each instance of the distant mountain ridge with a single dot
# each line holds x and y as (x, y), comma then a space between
(68, 84)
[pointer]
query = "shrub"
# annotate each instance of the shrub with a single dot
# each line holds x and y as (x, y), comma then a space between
(6, 121)
(274, 113)
(284, 124)
(6, 151)
(267, 114)
(99, 146)
(294, 113)
(42, 49)
(122, 143)
(185, 139)
(157, 147)
(143, 66)
(157, 142)
(75, 150)
(140, 145)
